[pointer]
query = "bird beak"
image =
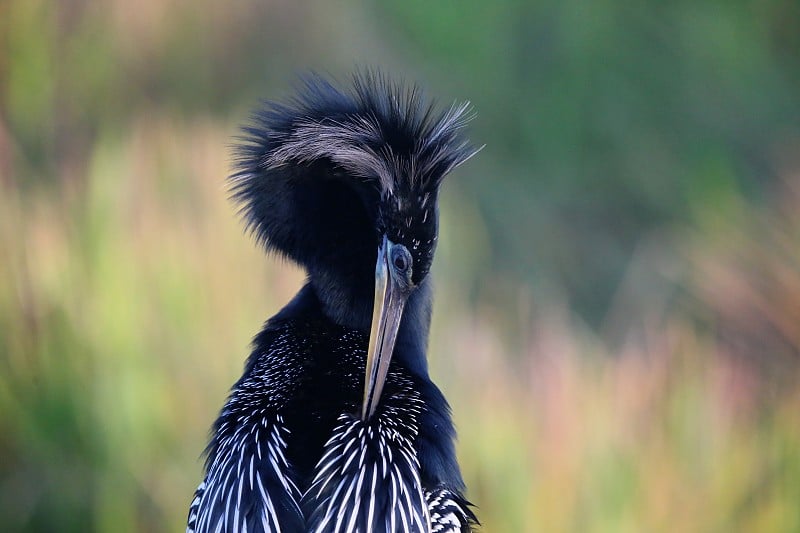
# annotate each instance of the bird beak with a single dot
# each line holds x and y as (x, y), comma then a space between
(386, 313)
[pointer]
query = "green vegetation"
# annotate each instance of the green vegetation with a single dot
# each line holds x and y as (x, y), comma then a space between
(617, 323)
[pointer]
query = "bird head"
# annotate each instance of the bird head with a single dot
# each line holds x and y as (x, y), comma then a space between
(345, 183)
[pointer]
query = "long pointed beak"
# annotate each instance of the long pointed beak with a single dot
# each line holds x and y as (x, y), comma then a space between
(386, 314)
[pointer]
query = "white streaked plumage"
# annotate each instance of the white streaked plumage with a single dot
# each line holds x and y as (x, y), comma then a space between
(370, 454)
(367, 480)
(217, 505)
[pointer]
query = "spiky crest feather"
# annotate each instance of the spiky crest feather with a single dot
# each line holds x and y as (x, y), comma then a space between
(379, 135)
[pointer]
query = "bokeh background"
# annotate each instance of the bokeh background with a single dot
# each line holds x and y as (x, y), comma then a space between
(617, 322)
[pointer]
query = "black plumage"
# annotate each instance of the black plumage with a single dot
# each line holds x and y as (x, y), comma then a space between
(345, 183)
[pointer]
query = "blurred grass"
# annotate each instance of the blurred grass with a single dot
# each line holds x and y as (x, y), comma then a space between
(128, 293)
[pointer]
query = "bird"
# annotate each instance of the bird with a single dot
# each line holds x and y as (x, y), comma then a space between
(335, 424)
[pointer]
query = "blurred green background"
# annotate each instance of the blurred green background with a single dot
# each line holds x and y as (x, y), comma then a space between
(617, 322)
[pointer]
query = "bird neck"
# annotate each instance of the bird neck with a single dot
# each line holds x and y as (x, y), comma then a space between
(345, 299)
(352, 308)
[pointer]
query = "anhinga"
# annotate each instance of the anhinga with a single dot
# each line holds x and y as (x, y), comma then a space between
(335, 424)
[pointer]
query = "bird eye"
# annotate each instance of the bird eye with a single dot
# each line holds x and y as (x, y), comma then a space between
(401, 259)
(400, 263)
